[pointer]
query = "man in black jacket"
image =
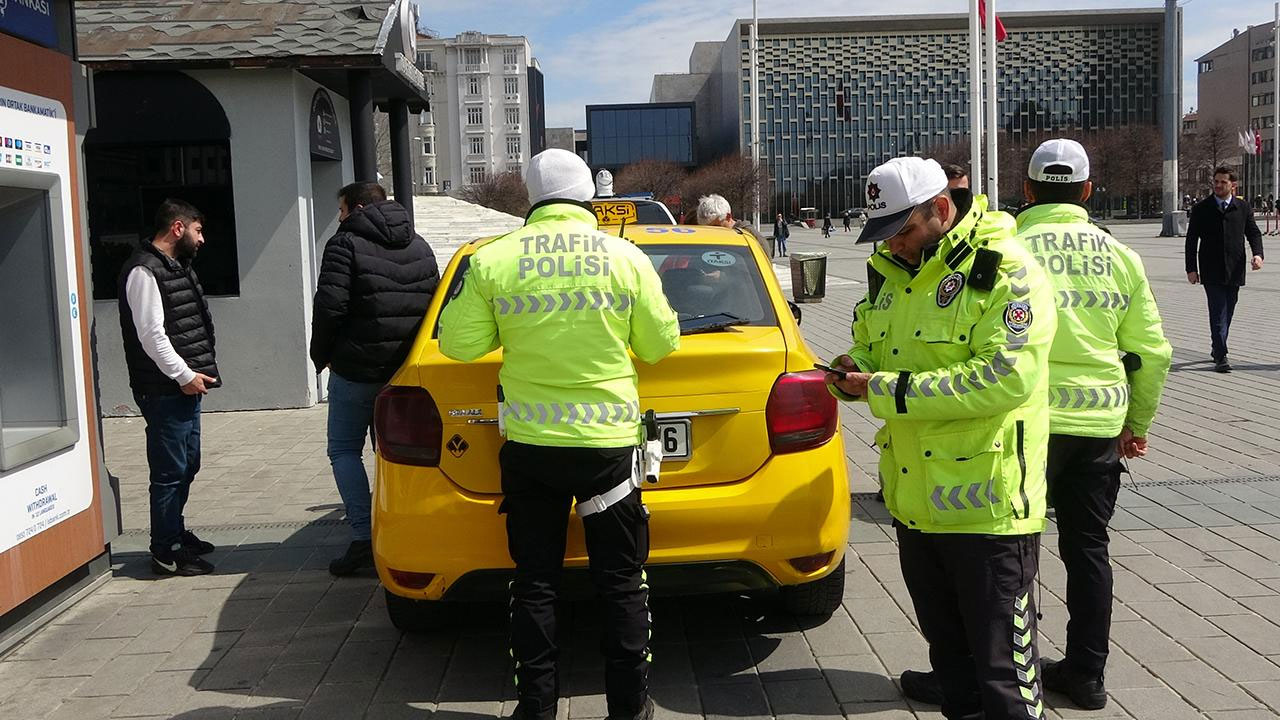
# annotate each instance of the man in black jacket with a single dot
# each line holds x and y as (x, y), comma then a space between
(1216, 257)
(376, 279)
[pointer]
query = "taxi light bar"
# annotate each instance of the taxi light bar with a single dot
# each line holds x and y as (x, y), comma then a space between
(412, 580)
(811, 563)
(407, 426)
(801, 413)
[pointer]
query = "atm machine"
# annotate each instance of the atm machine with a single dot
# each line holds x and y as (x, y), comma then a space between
(58, 507)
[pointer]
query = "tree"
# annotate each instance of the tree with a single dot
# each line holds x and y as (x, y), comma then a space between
(504, 192)
(735, 177)
(663, 179)
(956, 152)
(1216, 141)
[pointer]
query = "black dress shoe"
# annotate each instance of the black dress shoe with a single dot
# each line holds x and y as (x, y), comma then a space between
(921, 687)
(195, 544)
(646, 712)
(359, 555)
(1222, 366)
(1086, 691)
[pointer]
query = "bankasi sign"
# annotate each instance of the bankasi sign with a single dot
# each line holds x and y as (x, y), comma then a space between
(326, 143)
(30, 20)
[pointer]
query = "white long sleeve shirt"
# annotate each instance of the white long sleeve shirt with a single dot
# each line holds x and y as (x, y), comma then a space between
(147, 309)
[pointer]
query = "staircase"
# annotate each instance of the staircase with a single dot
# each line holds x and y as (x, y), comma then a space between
(447, 223)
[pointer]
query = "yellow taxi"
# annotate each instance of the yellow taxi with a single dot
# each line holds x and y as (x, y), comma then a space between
(754, 491)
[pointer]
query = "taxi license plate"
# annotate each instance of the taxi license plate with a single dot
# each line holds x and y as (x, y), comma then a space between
(675, 439)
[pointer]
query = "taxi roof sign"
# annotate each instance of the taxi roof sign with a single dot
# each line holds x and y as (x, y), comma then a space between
(614, 212)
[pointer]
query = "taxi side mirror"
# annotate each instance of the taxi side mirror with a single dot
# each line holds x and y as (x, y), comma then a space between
(795, 311)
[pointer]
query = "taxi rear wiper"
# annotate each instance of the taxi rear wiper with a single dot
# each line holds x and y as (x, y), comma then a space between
(710, 323)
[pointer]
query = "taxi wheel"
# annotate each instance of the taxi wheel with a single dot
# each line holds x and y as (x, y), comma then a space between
(415, 616)
(816, 599)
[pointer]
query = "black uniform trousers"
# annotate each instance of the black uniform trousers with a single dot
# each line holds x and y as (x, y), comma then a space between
(973, 599)
(1084, 478)
(539, 484)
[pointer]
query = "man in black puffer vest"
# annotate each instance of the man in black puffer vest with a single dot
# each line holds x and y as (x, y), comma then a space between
(168, 348)
(376, 280)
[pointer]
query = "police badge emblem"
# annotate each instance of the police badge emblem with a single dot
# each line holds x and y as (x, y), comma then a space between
(949, 289)
(1017, 317)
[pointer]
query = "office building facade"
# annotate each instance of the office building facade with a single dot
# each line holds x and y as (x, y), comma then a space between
(1236, 89)
(839, 96)
(487, 110)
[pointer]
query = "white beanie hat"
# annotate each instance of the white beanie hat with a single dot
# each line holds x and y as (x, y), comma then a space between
(557, 174)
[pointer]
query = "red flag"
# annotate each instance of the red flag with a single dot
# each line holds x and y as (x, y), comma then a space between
(1001, 33)
(1257, 140)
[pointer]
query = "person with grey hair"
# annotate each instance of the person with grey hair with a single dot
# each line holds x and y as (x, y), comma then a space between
(714, 210)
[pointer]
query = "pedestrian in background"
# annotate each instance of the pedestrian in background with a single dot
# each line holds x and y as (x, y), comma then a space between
(950, 350)
(546, 466)
(780, 234)
(957, 176)
(827, 227)
(714, 210)
(169, 351)
(376, 280)
(1216, 256)
(848, 220)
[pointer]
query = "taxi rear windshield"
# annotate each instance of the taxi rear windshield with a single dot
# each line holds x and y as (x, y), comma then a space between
(698, 280)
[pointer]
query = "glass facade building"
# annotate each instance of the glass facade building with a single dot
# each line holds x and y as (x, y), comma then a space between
(839, 97)
(618, 135)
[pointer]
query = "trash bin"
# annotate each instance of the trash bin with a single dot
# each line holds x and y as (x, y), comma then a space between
(808, 276)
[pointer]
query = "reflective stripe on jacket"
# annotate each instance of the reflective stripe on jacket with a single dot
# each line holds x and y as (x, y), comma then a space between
(960, 377)
(564, 301)
(1105, 310)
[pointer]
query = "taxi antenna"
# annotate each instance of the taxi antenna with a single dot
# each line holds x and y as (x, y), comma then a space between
(621, 227)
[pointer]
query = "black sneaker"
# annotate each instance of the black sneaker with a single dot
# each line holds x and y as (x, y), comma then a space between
(921, 686)
(182, 562)
(1088, 693)
(359, 556)
(646, 712)
(195, 544)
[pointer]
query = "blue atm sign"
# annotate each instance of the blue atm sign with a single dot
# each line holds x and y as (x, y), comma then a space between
(30, 20)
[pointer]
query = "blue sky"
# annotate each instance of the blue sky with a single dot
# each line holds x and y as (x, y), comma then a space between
(602, 52)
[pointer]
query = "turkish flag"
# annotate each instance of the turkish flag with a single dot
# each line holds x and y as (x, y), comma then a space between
(1001, 33)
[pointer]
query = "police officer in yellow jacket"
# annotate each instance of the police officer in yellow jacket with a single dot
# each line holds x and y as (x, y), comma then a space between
(950, 349)
(1101, 405)
(564, 301)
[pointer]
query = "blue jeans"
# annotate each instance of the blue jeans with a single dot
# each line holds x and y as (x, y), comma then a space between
(350, 421)
(173, 454)
(1222, 307)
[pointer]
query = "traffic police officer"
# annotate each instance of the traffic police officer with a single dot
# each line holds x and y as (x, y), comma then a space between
(950, 349)
(1100, 406)
(564, 301)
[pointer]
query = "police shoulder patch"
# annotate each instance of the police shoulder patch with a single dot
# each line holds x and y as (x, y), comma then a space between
(949, 289)
(1017, 316)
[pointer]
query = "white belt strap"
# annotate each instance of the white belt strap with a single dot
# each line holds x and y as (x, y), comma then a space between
(602, 502)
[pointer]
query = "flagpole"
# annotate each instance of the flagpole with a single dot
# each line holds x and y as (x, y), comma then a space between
(1275, 128)
(993, 162)
(975, 99)
(755, 111)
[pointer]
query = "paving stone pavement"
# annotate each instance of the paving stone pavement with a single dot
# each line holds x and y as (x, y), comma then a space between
(272, 635)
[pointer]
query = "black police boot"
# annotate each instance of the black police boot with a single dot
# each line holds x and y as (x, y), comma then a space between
(1085, 690)
(921, 687)
(359, 556)
(646, 712)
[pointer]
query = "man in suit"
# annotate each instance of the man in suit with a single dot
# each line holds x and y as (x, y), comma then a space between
(1216, 258)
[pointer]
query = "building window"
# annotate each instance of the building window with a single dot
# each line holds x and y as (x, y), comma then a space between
(1263, 99)
(1263, 53)
(476, 145)
(476, 175)
(428, 145)
(1262, 76)
(473, 56)
(511, 56)
(511, 85)
(429, 176)
(424, 61)
(1207, 66)
(475, 115)
(473, 85)
(513, 144)
(425, 119)
(513, 116)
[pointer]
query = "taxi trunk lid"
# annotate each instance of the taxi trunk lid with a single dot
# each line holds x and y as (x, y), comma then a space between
(710, 397)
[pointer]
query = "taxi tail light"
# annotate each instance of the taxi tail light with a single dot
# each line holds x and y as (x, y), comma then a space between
(412, 580)
(811, 563)
(407, 426)
(801, 413)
